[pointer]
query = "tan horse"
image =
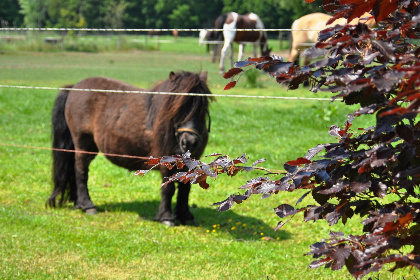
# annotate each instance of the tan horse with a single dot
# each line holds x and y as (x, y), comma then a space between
(315, 22)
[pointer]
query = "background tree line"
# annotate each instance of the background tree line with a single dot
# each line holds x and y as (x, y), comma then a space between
(145, 13)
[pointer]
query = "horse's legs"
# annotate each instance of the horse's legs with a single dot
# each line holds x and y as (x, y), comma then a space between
(231, 57)
(241, 53)
(294, 49)
(215, 52)
(226, 50)
(255, 49)
(228, 36)
(182, 210)
(83, 200)
(167, 192)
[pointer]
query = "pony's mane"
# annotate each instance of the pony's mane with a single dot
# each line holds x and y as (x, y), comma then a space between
(166, 111)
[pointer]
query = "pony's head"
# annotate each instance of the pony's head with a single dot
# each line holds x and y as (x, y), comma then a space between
(180, 121)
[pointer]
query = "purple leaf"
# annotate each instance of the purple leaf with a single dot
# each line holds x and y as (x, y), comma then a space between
(258, 161)
(384, 48)
(314, 151)
(313, 213)
(302, 197)
(285, 210)
(339, 256)
(279, 225)
(359, 187)
(339, 186)
(379, 189)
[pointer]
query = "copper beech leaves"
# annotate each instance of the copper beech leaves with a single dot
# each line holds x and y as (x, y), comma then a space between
(197, 172)
(259, 62)
(382, 9)
(298, 161)
(285, 210)
(230, 85)
(377, 70)
(232, 72)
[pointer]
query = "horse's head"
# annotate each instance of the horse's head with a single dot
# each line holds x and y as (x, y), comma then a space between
(265, 50)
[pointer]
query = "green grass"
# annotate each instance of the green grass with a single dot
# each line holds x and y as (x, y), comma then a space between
(105, 42)
(123, 241)
(35, 41)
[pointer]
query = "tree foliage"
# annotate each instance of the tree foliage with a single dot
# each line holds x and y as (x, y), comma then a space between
(148, 13)
(300, 8)
(35, 12)
(9, 13)
(65, 14)
(114, 13)
(371, 172)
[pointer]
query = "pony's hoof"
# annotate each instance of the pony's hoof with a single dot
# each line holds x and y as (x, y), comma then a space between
(91, 211)
(168, 223)
(190, 223)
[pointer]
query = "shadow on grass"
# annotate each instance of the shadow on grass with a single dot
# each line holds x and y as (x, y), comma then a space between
(238, 226)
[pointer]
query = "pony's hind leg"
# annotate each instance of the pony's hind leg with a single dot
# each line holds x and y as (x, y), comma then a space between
(82, 162)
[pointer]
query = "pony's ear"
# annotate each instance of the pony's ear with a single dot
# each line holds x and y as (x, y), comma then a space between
(203, 76)
(172, 75)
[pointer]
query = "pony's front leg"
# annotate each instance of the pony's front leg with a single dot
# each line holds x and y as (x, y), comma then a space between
(165, 215)
(182, 210)
(83, 200)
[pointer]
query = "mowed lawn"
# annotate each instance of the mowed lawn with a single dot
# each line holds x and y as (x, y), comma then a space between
(123, 241)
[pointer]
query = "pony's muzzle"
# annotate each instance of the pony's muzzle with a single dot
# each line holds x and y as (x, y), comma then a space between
(188, 142)
(188, 139)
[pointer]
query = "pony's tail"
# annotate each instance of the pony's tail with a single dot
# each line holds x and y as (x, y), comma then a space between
(63, 162)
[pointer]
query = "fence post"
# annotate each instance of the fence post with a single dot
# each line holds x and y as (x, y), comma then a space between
(281, 39)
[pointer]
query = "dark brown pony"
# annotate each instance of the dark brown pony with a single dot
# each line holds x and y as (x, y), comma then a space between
(134, 124)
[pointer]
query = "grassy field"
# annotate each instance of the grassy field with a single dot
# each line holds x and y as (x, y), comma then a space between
(123, 241)
(99, 42)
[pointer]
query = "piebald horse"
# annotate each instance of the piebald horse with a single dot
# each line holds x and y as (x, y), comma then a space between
(235, 21)
(316, 22)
